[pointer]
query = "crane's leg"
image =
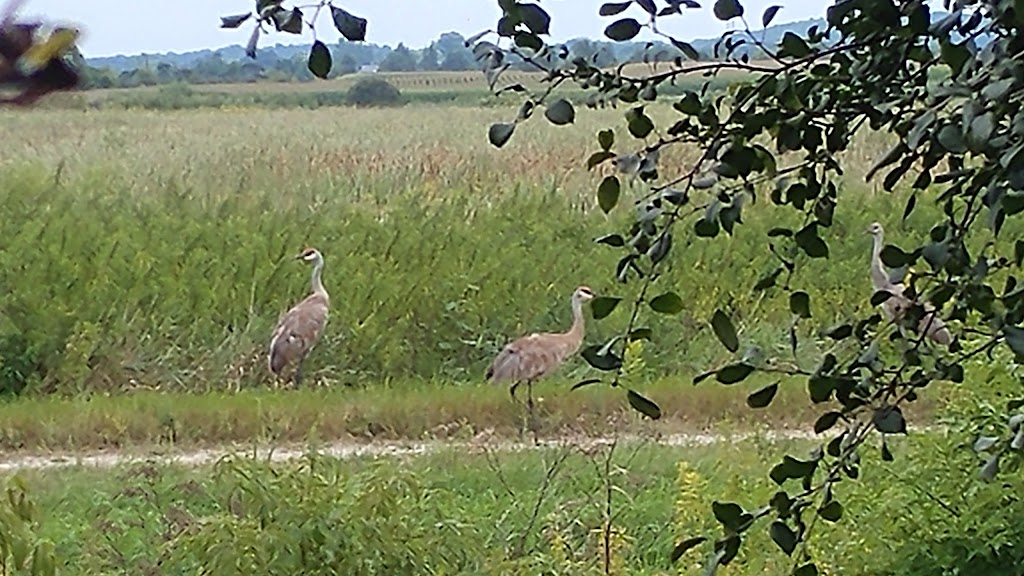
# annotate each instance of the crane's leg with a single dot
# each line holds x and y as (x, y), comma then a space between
(531, 422)
(512, 391)
(297, 376)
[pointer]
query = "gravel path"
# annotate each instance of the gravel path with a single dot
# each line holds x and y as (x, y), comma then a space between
(350, 449)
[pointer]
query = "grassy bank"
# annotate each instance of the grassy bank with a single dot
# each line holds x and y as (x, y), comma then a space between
(411, 410)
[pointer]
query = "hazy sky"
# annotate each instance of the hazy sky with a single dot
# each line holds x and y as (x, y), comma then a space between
(135, 26)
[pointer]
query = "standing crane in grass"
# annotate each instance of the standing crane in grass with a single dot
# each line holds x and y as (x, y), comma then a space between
(897, 305)
(299, 329)
(532, 357)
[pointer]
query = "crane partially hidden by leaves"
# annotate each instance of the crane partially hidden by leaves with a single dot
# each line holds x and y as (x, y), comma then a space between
(897, 305)
(299, 329)
(32, 59)
(532, 357)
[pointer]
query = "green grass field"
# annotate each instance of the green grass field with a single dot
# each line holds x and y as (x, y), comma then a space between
(147, 256)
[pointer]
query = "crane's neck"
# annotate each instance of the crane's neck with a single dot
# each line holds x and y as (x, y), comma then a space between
(318, 285)
(879, 277)
(576, 330)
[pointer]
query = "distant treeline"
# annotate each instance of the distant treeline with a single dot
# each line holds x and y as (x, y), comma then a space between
(287, 63)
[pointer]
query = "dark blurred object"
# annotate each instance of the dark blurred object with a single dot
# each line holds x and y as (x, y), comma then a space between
(30, 61)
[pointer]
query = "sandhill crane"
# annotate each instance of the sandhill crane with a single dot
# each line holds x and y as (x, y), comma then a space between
(896, 306)
(534, 356)
(299, 329)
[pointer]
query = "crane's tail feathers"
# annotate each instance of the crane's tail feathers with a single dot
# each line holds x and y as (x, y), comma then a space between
(276, 363)
(489, 374)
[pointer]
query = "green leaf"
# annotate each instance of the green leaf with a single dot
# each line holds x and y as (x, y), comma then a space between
(1015, 339)
(643, 405)
(528, 40)
(289, 21)
(790, 468)
(880, 296)
(1018, 253)
(688, 104)
(889, 420)
(734, 373)
(841, 332)
(606, 362)
(640, 125)
(911, 203)
(535, 18)
(661, 248)
(587, 382)
(623, 30)
(685, 546)
(800, 304)
(667, 303)
(250, 46)
(614, 240)
(981, 130)
(990, 469)
(319, 62)
(808, 569)
(983, 443)
(894, 257)
(606, 139)
(613, 8)
(808, 241)
(769, 15)
(954, 55)
(820, 388)
(648, 5)
(234, 21)
(763, 397)
(353, 28)
(729, 514)
(602, 306)
(608, 193)
(794, 46)
(832, 511)
(951, 138)
(706, 227)
(560, 112)
(783, 536)
(825, 422)
(688, 50)
(598, 158)
(727, 9)
(724, 330)
(640, 334)
(499, 133)
(886, 454)
(768, 280)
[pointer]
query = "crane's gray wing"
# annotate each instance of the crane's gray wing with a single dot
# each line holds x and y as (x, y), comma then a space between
(297, 332)
(527, 358)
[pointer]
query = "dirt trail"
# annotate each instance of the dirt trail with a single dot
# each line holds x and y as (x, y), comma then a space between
(352, 448)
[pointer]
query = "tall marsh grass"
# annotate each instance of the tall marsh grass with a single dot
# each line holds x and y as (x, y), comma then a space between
(146, 249)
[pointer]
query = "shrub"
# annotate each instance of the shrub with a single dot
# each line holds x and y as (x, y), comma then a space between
(373, 92)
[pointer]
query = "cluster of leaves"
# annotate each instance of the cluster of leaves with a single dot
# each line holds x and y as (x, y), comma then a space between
(292, 20)
(782, 135)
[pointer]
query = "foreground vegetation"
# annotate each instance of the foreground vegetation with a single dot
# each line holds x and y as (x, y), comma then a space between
(575, 509)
